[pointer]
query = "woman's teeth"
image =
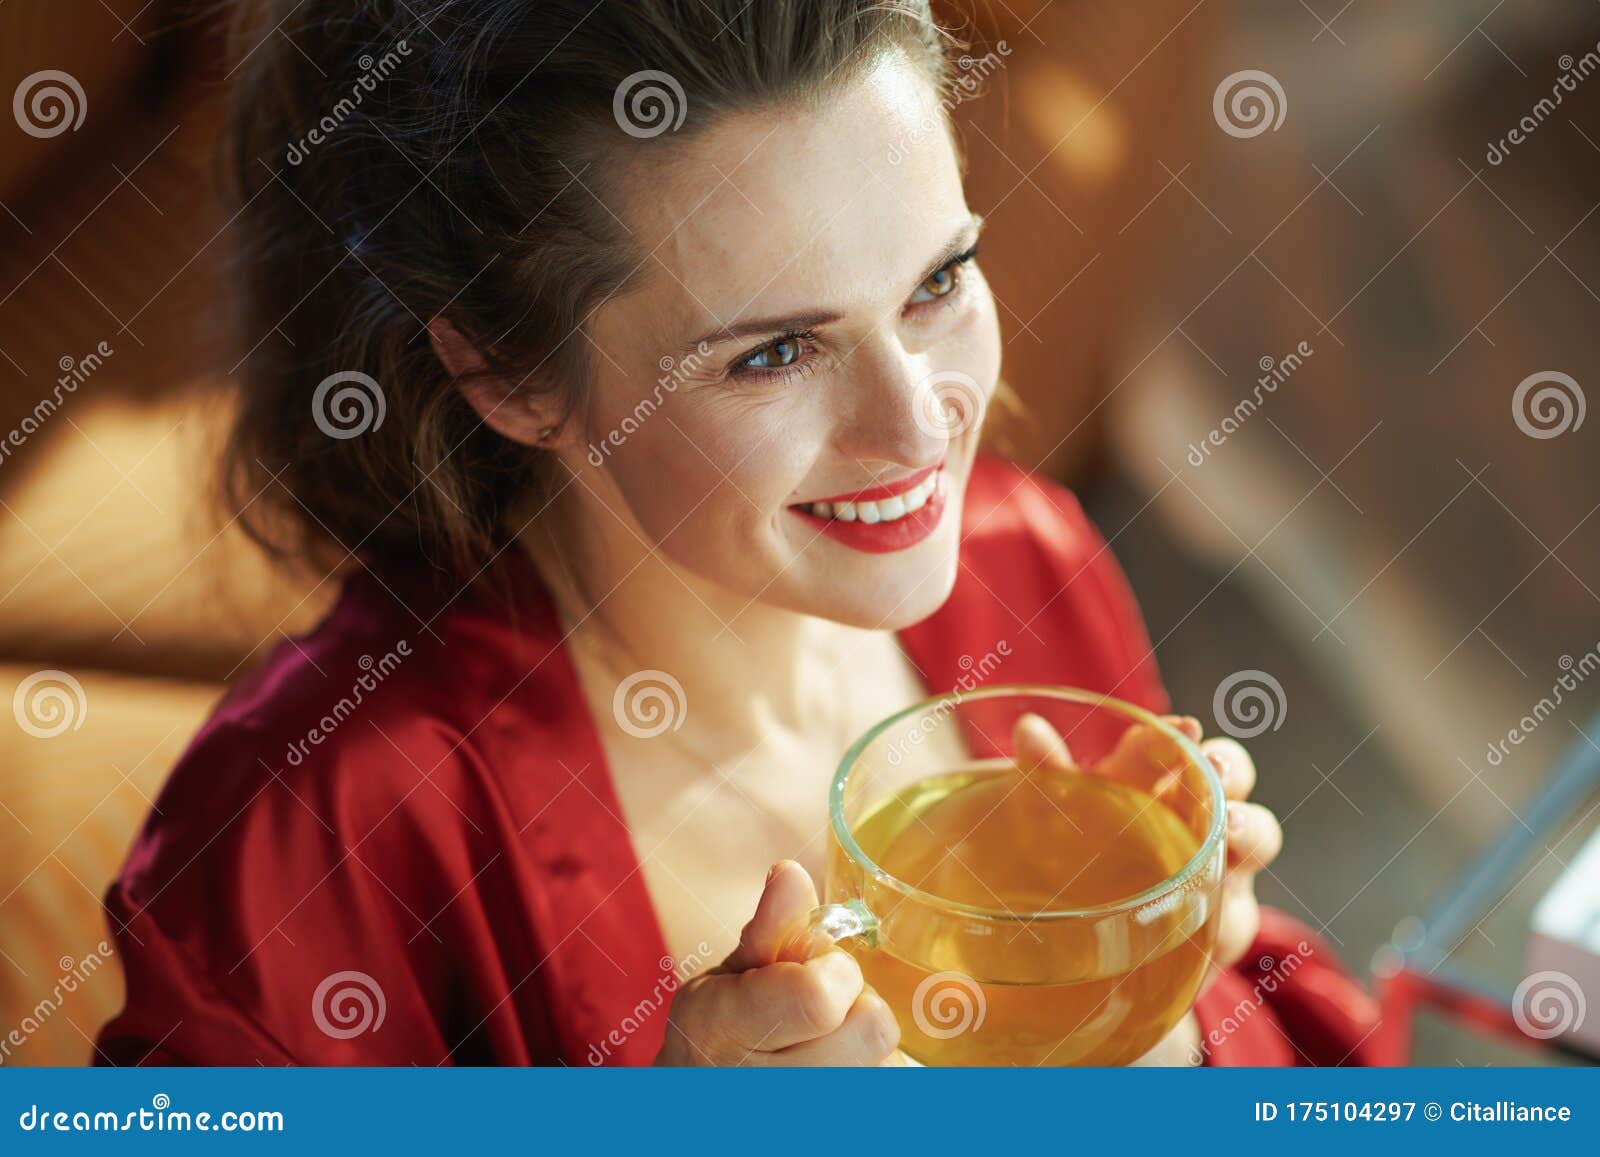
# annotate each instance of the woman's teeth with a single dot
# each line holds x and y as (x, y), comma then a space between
(884, 510)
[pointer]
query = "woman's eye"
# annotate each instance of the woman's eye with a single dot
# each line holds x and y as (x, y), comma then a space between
(942, 284)
(775, 356)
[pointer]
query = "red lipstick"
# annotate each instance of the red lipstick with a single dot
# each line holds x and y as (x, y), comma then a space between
(888, 490)
(883, 537)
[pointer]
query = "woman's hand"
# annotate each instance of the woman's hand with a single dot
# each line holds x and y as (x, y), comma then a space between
(759, 1009)
(1254, 840)
(1254, 837)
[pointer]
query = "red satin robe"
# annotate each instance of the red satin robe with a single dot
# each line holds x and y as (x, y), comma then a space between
(433, 871)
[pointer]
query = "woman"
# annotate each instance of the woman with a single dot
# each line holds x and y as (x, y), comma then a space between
(694, 428)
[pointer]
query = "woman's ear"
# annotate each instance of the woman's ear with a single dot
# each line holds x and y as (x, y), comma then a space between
(528, 417)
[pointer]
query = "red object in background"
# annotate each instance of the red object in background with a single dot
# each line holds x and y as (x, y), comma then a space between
(1410, 988)
(1406, 990)
(445, 879)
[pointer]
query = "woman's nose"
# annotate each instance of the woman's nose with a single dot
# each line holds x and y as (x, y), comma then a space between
(908, 411)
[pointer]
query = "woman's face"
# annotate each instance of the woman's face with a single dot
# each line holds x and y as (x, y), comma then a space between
(811, 327)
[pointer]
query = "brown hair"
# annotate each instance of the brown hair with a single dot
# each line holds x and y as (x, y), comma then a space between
(394, 161)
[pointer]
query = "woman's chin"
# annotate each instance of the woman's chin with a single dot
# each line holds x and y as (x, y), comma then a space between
(894, 601)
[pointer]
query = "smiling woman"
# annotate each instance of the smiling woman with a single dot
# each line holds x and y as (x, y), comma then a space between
(691, 233)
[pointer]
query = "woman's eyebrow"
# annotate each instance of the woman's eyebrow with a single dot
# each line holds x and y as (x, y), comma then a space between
(760, 325)
(755, 327)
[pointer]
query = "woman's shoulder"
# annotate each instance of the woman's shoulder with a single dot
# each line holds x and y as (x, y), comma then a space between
(1039, 589)
(374, 727)
(385, 798)
(1027, 538)
(1007, 503)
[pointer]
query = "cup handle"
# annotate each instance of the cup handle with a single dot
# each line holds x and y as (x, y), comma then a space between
(828, 925)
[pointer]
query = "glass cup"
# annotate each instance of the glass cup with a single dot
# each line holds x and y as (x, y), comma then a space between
(1015, 911)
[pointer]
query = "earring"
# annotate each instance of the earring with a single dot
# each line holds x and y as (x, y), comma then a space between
(547, 433)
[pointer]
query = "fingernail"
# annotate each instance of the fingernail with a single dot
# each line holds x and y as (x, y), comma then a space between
(1235, 820)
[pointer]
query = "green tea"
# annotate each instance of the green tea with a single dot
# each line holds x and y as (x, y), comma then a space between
(997, 839)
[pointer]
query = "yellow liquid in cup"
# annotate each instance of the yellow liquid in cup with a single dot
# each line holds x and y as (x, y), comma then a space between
(1001, 840)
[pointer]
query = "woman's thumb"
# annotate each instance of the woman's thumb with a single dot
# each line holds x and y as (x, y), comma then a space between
(781, 916)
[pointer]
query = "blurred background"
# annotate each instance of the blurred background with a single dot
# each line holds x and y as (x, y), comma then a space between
(1271, 275)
